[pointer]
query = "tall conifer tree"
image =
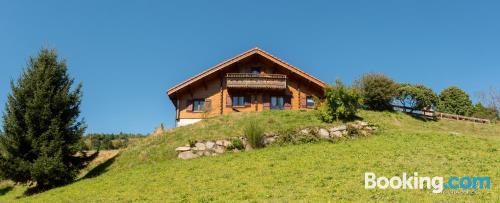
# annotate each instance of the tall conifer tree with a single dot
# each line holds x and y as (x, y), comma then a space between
(41, 130)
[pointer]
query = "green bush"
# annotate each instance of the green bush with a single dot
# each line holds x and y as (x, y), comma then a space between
(341, 102)
(377, 91)
(490, 113)
(455, 101)
(416, 96)
(236, 143)
(294, 137)
(255, 135)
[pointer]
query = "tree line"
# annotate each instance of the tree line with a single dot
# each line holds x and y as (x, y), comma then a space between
(380, 93)
(106, 141)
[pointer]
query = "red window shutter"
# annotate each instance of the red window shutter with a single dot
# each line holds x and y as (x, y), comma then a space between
(248, 99)
(303, 101)
(229, 102)
(189, 104)
(288, 102)
(265, 101)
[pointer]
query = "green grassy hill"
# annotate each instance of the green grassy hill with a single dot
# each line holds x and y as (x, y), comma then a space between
(149, 171)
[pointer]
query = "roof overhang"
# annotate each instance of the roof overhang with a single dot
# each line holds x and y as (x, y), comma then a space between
(237, 58)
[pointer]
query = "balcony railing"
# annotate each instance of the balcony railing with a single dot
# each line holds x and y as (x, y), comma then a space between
(256, 81)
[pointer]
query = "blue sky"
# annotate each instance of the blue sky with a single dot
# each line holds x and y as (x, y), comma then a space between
(128, 53)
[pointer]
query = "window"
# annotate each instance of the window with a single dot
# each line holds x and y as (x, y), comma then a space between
(238, 101)
(277, 102)
(310, 101)
(255, 70)
(198, 105)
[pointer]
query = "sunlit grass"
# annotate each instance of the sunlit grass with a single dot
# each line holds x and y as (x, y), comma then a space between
(317, 172)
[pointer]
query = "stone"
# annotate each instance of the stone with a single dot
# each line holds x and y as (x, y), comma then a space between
(338, 128)
(248, 147)
(187, 155)
(227, 143)
(200, 146)
(210, 144)
(362, 123)
(219, 142)
(182, 149)
(219, 150)
(236, 150)
(323, 133)
(337, 134)
(305, 131)
(356, 126)
(206, 153)
(269, 140)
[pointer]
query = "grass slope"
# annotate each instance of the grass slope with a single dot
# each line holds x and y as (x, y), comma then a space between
(323, 171)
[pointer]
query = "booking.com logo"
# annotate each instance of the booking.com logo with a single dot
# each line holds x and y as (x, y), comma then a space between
(415, 182)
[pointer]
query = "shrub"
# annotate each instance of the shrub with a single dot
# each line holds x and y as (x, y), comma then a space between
(377, 91)
(416, 96)
(191, 142)
(490, 113)
(236, 143)
(341, 102)
(255, 135)
(455, 101)
(294, 137)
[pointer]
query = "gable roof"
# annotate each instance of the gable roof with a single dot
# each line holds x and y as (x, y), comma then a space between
(239, 57)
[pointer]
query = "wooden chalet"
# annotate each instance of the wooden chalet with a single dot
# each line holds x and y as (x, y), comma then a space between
(252, 81)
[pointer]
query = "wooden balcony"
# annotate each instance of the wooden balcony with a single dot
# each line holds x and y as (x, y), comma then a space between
(256, 81)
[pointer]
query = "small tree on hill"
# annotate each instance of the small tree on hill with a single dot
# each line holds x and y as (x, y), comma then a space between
(416, 96)
(341, 102)
(41, 131)
(455, 101)
(377, 91)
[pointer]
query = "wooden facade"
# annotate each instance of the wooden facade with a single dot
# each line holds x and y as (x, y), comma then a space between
(251, 81)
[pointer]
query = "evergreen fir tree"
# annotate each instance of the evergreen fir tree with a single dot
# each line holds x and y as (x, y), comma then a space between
(40, 127)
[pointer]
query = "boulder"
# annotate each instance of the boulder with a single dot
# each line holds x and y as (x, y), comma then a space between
(337, 134)
(362, 123)
(226, 143)
(206, 153)
(269, 140)
(338, 128)
(323, 133)
(248, 147)
(210, 144)
(219, 142)
(305, 131)
(182, 149)
(187, 155)
(200, 146)
(219, 150)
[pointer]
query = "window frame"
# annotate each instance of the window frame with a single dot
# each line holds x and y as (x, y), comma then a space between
(278, 99)
(200, 102)
(307, 101)
(240, 101)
